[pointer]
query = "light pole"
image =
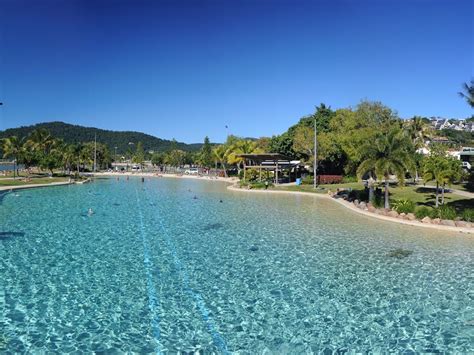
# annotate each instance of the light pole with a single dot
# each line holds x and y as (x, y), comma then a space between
(115, 158)
(130, 144)
(315, 165)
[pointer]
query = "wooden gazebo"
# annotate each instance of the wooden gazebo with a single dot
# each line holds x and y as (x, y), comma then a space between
(268, 161)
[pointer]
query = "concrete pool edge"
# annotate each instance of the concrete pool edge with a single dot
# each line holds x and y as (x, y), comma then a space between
(32, 186)
(351, 207)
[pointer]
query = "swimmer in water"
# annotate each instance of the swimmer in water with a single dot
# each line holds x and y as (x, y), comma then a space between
(195, 197)
(221, 201)
(90, 212)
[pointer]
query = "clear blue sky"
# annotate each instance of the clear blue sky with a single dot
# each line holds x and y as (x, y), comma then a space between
(186, 69)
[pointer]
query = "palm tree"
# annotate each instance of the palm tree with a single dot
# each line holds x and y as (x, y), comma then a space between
(420, 131)
(68, 157)
(468, 93)
(453, 173)
(443, 171)
(242, 146)
(434, 169)
(12, 148)
(221, 155)
(28, 157)
(41, 140)
(388, 155)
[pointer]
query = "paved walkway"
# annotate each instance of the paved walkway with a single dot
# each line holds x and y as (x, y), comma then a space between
(454, 191)
(29, 186)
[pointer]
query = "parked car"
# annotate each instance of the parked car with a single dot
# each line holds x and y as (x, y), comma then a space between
(192, 171)
(135, 168)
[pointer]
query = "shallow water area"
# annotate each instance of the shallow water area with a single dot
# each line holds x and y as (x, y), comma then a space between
(165, 266)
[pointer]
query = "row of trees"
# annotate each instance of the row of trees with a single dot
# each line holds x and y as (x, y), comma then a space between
(42, 150)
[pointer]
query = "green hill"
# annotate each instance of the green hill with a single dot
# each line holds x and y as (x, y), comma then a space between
(120, 139)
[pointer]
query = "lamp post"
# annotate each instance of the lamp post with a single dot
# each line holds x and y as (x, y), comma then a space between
(315, 165)
(115, 158)
(130, 144)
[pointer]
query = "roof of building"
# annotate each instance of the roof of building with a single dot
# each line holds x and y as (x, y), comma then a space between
(265, 156)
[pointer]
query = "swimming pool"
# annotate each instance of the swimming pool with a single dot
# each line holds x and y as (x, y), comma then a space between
(165, 266)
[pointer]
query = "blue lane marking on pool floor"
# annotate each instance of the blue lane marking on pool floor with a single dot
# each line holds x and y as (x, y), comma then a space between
(152, 296)
(218, 340)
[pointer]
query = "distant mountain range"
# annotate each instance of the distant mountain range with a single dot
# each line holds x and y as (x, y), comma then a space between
(120, 139)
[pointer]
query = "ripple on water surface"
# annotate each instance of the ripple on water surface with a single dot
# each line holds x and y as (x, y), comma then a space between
(155, 269)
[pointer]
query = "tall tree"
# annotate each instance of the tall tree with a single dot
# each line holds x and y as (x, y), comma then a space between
(175, 158)
(420, 132)
(157, 159)
(441, 169)
(389, 154)
(205, 155)
(221, 155)
(242, 146)
(12, 148)
(139, 156)
(468, 93)
(41, 141)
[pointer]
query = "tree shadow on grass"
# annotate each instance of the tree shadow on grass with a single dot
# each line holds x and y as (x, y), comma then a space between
(426, 190)
(461, 205)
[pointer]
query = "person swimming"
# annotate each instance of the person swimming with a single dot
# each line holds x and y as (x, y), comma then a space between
(220, 201)
(90, 212)
(195, 197)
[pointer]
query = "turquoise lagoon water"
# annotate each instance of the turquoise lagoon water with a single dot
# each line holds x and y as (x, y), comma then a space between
(156, 270)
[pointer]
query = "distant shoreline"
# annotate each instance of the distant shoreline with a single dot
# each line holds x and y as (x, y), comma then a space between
(173, 176)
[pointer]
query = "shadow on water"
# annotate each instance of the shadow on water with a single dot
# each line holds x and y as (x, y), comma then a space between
(2, 195)
(400, 253)
(212, 226)
(6, 235)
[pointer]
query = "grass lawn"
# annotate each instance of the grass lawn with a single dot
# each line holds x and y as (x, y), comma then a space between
(321, 188)
(33, 181)
(420, 195)
(461, 187)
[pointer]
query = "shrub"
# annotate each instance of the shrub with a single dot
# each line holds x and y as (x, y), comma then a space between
(260, 185)
(378, 201)
(445, 212)
(363, 195)
(423, 212)
(252, 174)
(468, 215)
(403, 206)
(329, 179)
(349, 178)
(307, 180)
(470, 182)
